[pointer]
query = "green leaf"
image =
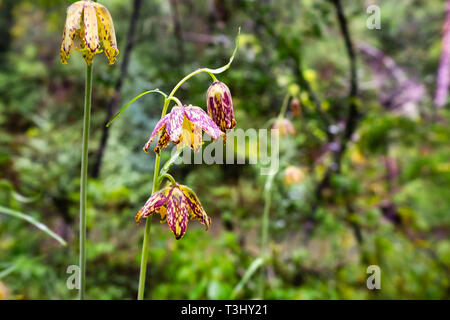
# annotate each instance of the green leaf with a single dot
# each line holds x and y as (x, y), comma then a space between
(254, 266)
(7, 271)
(34, 222)
(171, 161)
(133, 100)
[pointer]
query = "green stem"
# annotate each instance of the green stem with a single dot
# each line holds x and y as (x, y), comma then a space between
(34, 222)
(265, 231)
(284, 106)
(167, 176)
(190, 75)
(247, 275)
(213, 77)
(83, 182)
(148, 222)
(177, 101)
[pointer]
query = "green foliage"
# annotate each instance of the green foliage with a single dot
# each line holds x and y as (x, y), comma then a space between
(393, 186)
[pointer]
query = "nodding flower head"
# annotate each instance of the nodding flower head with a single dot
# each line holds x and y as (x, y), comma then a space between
(183, 126)
(176, 205)
(284, 126)
(220, 105)
(89, 24)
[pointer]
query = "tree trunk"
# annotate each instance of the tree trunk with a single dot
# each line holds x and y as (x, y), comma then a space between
(115, 99)
(178, 31)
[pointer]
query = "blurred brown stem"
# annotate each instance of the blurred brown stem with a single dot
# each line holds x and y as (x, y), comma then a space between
(115, 99)
(353, 114)
(6, 24)
(178, 31)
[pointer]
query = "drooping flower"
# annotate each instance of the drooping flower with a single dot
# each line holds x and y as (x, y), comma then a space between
(220, 105)
(175, 204)
(183, 126)
(292, 175)
(285, 126)
(89, 24)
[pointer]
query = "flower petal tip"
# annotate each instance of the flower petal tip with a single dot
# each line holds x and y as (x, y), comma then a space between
(138, 217)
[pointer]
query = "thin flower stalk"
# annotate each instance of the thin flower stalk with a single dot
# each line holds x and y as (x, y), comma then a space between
(83, 181)
(285, 128)
(265, 231)
(88, 26)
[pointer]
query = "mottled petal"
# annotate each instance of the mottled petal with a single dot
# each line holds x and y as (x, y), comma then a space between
(163, 141)
(175, 124)
(196, 138)
(159, 127)
(162, 213)
(91, 27)
(107, 32)
(87, 54)
(153, 204)
(191, 135)
(200, 118)
(177, 213)
(196, 210)
(73, 22)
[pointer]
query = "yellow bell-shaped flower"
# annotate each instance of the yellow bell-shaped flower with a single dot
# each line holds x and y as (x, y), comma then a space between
(89, 24)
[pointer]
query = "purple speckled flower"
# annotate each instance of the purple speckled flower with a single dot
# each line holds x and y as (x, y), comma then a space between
(220, 105)
(183, 125)
(175, 204)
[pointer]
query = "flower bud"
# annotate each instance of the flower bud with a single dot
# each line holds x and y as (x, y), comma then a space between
(292, 175)
(220, 105)
(284, 126)
(296, 108)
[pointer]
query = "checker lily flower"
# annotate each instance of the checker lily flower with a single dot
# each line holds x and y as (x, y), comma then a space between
(175, 204)
(220, 105)
(183, 126)
(89, 24)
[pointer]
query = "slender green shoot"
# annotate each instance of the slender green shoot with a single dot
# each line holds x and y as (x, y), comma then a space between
(254, 266)
(83, 180)
(34, 222)
(7, 271)
(132, 101)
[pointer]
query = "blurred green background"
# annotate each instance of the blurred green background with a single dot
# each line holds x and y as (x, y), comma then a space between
(388, 205)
